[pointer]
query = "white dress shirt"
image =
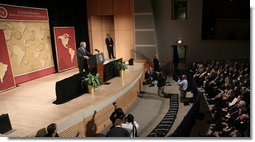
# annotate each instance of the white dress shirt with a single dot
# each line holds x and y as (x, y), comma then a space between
(183, 84)
(129, 127)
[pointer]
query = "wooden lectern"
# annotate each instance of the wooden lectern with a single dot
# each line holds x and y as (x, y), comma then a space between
(97, 61)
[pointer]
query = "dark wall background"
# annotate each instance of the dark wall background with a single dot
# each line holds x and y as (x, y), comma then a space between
(61, 13)
(168, 31)
(226, 19)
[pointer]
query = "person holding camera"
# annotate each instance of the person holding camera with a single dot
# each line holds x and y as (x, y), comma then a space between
(117, 114)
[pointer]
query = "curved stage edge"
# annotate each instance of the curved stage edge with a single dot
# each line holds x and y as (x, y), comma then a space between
(87, 115)
(93, 119)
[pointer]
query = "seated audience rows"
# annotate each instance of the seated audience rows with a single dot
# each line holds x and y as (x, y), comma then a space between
(226, 86)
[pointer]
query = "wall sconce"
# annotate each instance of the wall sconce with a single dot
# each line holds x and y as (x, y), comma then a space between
(179, 41)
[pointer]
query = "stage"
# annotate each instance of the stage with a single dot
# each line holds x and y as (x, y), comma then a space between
(30, 106)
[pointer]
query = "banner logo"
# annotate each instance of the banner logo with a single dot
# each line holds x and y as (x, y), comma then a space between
(3, 12)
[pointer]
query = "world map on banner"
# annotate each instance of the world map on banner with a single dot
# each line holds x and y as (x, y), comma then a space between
(65, 42)
(29, 45)
(3, 70)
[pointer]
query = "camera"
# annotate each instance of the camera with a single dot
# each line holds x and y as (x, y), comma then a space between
(115, 105)
(118, 109)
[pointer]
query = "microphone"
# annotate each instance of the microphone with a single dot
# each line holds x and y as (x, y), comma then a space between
(97, 50)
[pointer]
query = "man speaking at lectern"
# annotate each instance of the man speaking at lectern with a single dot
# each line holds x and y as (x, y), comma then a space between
(83, 55)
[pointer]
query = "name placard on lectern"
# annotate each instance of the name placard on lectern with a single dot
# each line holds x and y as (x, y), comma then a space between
(96, 59)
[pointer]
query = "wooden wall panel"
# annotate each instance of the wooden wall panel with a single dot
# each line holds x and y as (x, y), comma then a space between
(123, 40)
(106, 7)
(122, 7)
(119, 25)
(107, 23)
(96, 23)
(90, 34)
(107, 27)
(93, 7)
(96, 33)
(123, 22)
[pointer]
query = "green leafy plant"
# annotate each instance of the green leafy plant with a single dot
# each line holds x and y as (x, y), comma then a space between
(121, 65)
(92, 80)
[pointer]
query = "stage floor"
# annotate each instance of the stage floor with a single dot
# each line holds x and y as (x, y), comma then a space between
(30, 104)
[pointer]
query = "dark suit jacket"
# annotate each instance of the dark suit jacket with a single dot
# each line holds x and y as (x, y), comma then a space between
(161, 80)
(50, 135)
(81, 53)
(109, 42)
(118, 132)
(156, 64)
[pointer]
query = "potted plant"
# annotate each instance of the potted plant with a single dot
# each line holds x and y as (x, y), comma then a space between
(92, 81)
(121, 66)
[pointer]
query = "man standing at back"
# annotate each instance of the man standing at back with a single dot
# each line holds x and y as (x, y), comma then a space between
(109, 44)
(83, 56)
(156, 63)
(183, 86)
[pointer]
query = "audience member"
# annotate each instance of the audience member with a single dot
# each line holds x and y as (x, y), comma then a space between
(117, 130)
(131, 125)
(156, 63)
(183, 85)
(52, 130)
(161, 78)
(117, 114)
(227, 83)
(149, 76)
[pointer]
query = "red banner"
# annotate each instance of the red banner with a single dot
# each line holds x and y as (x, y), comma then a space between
(6, 75)
(65, 46)
(11, 12)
